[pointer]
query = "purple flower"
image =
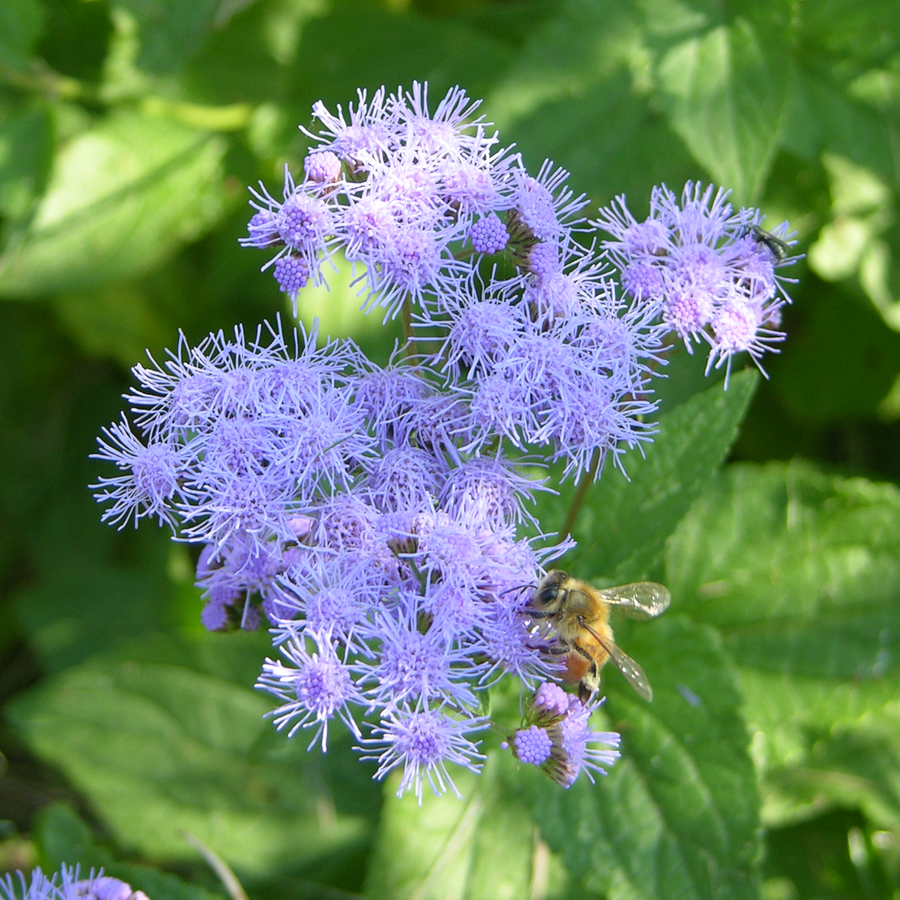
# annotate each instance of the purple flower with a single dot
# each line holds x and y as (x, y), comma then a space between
(66, 885)
(488, 492)
(423, 742)
(368, 135)
(488, 235)
(556, 734)
(711, 269)
(412, 667)
(315, 685)
(150, 481)
(533, 745)
(322, 167)
(543, 207)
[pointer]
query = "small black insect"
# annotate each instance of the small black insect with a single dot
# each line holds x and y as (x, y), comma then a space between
(775, 245)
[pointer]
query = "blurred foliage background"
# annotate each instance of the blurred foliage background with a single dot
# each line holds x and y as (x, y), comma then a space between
(769, 763)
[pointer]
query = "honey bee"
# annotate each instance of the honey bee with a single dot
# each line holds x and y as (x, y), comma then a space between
(579, 614)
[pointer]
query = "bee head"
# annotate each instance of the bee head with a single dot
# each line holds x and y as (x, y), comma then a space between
(548, 590)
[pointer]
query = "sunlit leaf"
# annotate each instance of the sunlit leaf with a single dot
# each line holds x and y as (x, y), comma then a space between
(677, 816)
(721, 77)
(121, 197)
(168, 741)
(800, 572)
(580, 92)
(25, 150)
(480, 846)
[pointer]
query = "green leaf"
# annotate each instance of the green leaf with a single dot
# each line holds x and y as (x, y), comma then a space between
(480, 846)
(25, 151)
(121, 197)
(721, 79)
(677, 815)
(840, 363)
(165, 741)
(442, 51)
(171, 32)
(847, 769)
(800, 572)
(624, 523)
(821, 117)
(579, 92)
(21, 23)
(64, 838)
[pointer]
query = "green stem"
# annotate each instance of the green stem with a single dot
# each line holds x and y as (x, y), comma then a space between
(406, 317)
(581, 489)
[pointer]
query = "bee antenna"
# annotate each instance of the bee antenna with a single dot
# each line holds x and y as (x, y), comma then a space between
(520, 587)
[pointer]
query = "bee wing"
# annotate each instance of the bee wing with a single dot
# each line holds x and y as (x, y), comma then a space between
(641, 600)
(626, 665)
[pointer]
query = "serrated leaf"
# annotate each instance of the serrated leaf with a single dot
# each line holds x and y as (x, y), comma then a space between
(722, 87)
(158, 746)
(121, 197)
(677, 816)
(623, 524)
(450, 849)
(800, 572)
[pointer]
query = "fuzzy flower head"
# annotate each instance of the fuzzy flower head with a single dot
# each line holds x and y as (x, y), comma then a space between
(713, 270)
(422, 743)
(555, 737)
(66, 885)
(315, 685)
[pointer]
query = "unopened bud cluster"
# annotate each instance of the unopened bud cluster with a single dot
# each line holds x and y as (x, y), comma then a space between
(555, 736)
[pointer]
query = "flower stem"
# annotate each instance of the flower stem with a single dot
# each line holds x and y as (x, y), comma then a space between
(581, 489)
(406, 318)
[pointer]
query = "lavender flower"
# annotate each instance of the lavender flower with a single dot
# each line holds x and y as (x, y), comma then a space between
(715, 279)
(555, 735)
(66, 885)
(423, 742)
(371, 515)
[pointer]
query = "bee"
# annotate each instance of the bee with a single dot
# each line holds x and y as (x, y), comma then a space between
(579, 614)
(775, 245)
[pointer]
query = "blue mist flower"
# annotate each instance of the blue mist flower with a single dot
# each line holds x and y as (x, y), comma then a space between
(66, 885)
(423, 742)
(714, 279)
(315, 685)
(556, 734)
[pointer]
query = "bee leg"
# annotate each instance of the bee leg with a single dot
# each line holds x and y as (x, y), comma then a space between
(590, 682)
(537, 614)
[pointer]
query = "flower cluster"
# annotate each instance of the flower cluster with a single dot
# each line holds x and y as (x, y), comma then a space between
(548, 357)
(555, 735)
(328, 497)
(372, 514)
(712, 270)
(66, 885)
